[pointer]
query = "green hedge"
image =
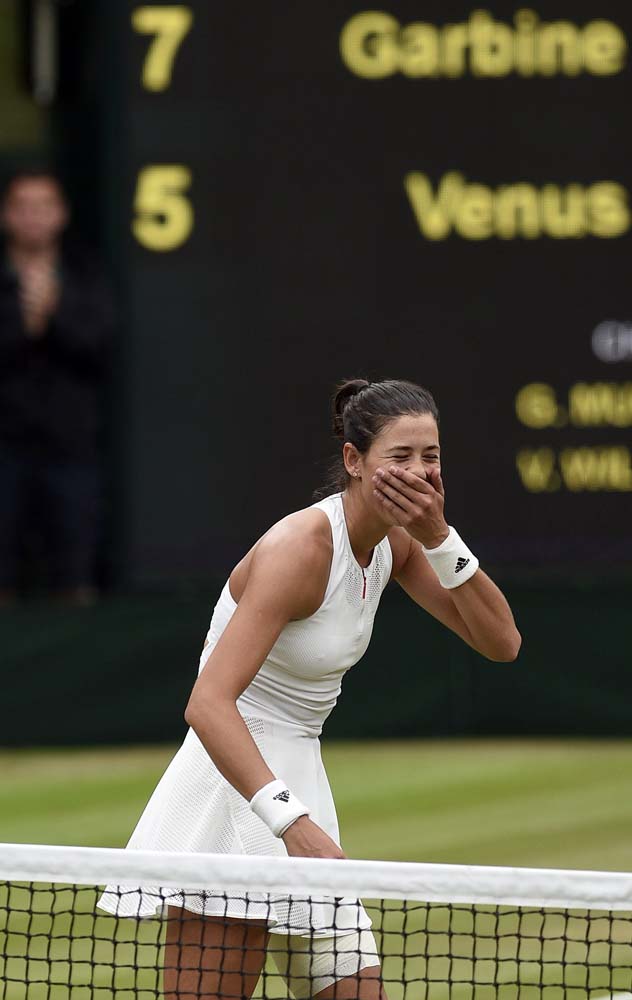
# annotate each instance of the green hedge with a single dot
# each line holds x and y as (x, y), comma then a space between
(121, 672)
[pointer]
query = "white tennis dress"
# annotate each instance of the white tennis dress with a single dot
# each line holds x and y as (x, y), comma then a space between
(194, 808)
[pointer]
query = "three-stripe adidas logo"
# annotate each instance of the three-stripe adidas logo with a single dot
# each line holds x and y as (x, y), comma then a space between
(461, 563)
(283, 796)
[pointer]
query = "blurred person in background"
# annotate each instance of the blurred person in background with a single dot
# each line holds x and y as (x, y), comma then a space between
(56, 317)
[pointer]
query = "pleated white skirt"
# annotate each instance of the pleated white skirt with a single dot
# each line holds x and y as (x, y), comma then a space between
(194, 809)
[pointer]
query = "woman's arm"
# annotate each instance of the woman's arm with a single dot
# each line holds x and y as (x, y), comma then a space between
(477, 610)
(287, 580)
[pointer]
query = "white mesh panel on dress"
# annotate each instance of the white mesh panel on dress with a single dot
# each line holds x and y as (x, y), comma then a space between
(354, 583)
(375, 584)
(354, 580)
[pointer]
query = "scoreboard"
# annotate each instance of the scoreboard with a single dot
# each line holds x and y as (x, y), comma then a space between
(430, 191)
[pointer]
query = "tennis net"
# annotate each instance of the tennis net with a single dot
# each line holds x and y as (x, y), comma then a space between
(443, 932)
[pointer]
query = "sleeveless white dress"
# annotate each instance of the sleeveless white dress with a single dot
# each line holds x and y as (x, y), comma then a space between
(194, 808)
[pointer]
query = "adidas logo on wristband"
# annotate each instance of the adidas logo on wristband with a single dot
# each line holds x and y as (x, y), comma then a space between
(277, 807)
(452, 561)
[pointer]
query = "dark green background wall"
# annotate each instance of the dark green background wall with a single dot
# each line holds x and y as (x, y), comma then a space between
(121, 672)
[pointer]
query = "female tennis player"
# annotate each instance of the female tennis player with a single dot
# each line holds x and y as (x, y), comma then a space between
(295, 614)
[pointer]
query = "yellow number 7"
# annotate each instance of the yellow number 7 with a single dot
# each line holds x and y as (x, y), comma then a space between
(170, 25)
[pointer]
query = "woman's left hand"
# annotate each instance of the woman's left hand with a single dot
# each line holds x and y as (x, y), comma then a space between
(413, 503)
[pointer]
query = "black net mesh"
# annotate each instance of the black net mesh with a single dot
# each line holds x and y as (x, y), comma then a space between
(55, 944)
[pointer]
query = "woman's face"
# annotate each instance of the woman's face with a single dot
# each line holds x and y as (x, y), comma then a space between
(409, 442)
(34, 213)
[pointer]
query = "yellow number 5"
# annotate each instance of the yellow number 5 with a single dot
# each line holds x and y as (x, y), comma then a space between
(164, 215)
(170, 25)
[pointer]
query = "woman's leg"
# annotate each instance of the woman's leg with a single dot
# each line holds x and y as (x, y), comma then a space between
(335, 967)
(211, 958)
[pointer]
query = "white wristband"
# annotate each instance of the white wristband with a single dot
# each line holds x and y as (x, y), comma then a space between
(452, 561)
(277, 806)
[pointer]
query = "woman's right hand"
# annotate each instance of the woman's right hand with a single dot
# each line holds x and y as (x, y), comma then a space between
(305, 839)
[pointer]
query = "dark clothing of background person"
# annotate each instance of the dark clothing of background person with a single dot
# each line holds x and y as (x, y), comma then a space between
(50, 416)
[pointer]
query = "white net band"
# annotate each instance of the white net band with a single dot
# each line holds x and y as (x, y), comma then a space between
(527, 887)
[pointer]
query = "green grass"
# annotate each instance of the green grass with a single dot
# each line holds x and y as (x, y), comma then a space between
(549, 804)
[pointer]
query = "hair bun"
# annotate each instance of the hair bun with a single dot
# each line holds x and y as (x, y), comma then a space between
(342, 397)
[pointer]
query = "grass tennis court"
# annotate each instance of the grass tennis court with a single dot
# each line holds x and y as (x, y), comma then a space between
(555, 803)
(550, 804)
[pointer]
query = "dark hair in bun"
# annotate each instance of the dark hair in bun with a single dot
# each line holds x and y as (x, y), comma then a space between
(342, 397)
(361, 409)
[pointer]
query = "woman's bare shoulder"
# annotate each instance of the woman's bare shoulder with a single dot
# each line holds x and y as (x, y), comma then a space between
(311, 526)
(296, 552)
